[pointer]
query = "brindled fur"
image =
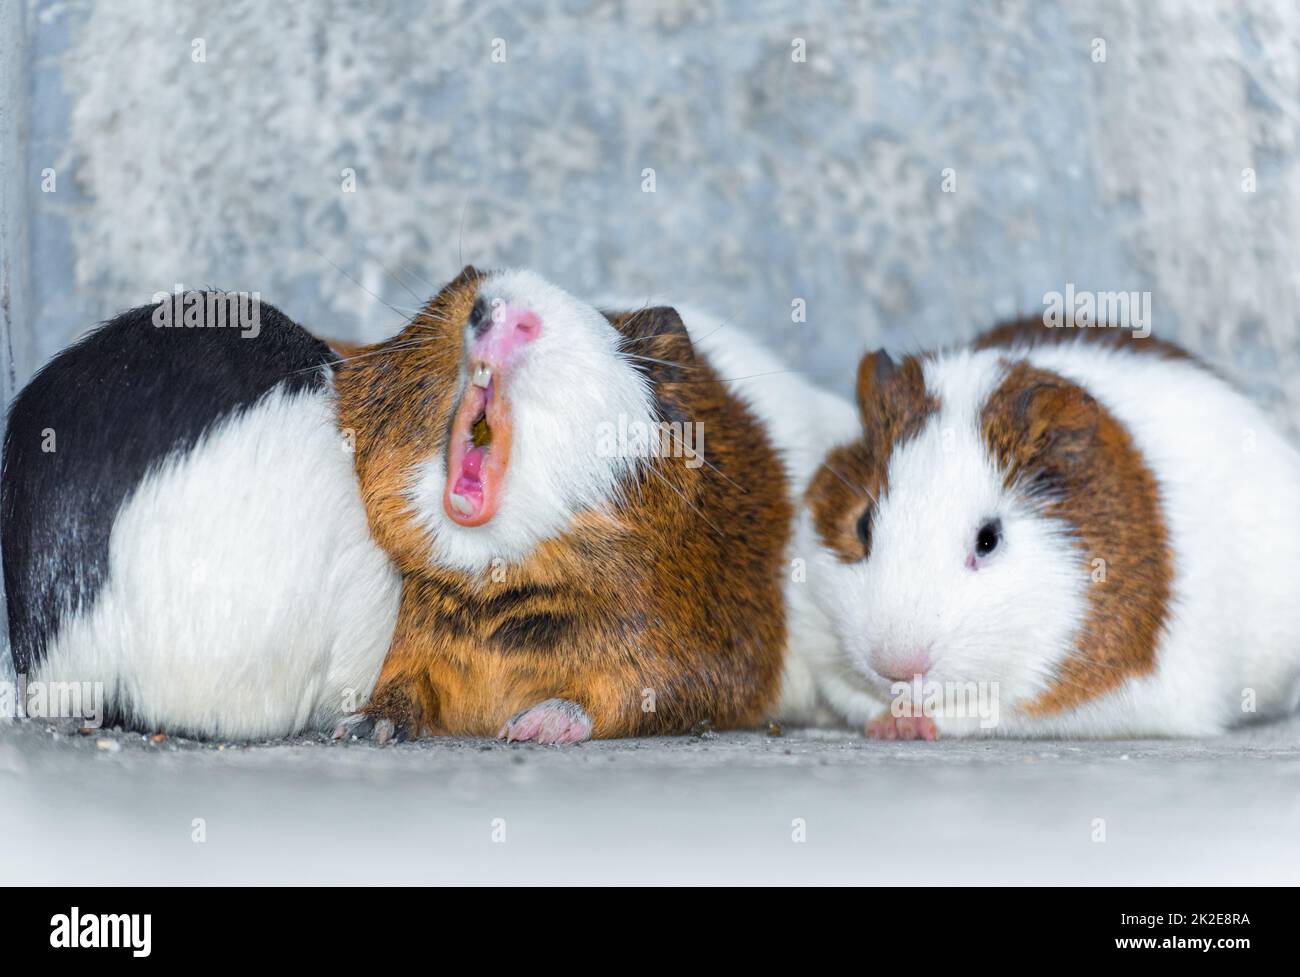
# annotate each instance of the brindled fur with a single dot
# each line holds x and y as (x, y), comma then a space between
(657, 602)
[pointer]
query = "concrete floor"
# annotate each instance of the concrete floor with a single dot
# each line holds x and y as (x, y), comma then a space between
(116, 807)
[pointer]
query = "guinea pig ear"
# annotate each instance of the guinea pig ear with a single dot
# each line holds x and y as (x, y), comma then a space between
(873, 372)
(1058, 418)
(468, 278)
(657, 333)
(467, 274)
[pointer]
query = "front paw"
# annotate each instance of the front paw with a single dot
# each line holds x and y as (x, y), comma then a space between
(363, 726)
(891, 727)
(553, 722)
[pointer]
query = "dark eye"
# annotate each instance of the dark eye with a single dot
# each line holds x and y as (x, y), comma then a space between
(864, 531)
(476, 317)
(988, 537)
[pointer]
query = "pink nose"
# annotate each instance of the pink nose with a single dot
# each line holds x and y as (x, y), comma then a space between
(902, 667)
(509, 328)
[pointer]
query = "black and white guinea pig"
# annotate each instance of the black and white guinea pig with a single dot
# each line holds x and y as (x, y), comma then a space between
(1093, 534)
(181, 524)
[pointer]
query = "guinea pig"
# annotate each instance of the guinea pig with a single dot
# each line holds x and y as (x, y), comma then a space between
(591, 512)
(182, 530)
(1060, 532)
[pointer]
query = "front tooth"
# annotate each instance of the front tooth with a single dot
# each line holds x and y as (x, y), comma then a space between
(461, 504)
(482, 375)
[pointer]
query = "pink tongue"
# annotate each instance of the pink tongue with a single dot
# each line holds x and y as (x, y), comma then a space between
(473, 462)
(469, 484)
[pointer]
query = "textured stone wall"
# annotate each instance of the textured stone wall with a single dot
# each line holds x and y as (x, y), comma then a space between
(775, 179)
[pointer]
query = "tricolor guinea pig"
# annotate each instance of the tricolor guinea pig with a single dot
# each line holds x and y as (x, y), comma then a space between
(591, 511)
(1057, 532)
(182, 529)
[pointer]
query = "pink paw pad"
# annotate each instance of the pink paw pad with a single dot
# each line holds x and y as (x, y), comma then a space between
(554, 722)
(890, 727)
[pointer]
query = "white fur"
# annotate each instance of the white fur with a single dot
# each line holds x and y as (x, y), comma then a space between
(245, 597)
(564, 388)
(803, 423)
(1230, 487)
(1230, 490)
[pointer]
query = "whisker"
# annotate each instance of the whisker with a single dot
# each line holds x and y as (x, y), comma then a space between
(652, 359)
(769, 373)
(416, 274)
(709, 463)
(729, 321)
(859, 488)
(410, 291)
(717, 329)
(435, 316)
(389, 348)
(640, 339)
(651, 469)
(694, 339)
(355, 282)
(460, 242)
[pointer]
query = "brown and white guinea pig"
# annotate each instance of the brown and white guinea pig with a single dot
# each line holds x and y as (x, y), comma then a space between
(1057, 533)
(591, 512)
(185, 547)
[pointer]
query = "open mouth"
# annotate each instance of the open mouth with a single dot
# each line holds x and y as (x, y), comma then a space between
(479, 449)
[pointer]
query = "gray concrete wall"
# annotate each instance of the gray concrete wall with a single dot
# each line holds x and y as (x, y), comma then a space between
(17, 353)
(776, 180)
(17, 320)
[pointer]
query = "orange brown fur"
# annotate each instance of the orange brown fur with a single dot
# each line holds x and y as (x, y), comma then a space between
(893, 406)
(1054, 441)
(677, 590)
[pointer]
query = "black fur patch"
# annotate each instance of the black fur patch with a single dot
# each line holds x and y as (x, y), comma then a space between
(539, 632)
(117, 403)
